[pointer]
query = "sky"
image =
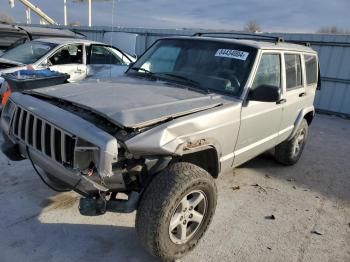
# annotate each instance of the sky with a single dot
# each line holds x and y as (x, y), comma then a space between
(271, 15)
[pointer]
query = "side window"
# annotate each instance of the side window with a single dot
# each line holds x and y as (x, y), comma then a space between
(293, 71)
(269, 71)
(311, 69)
(71, 54)
(101, 55)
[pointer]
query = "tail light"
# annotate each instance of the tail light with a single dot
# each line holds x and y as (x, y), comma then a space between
(5, 93)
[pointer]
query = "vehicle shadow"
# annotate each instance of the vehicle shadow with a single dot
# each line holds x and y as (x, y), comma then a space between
(322, 168)
(76, 242)
(40, 225)
(59, 233)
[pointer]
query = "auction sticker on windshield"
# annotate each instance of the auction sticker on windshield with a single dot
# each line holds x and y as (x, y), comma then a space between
(230, 53)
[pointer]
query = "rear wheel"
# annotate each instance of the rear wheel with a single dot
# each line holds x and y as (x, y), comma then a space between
(176, 210)
(289, 152)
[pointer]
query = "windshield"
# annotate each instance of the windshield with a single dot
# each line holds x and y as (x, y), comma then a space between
(205, 64)
(29, 52)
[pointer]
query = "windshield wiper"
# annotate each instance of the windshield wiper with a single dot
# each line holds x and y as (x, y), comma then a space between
(142, 69)
(192, 84)
(148, 74)
(184, 78)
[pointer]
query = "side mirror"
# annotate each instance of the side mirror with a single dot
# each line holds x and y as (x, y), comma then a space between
(265, 93)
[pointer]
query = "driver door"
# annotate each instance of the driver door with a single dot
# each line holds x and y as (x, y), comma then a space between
(70, 60)
(260, 121)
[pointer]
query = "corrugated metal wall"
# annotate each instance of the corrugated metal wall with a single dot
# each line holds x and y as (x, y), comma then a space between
(334, 53)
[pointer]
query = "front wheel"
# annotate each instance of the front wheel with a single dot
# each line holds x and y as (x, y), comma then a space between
(289, 152)
(176, 210)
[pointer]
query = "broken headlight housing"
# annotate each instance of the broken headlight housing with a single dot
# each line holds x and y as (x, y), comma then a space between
(86, 156)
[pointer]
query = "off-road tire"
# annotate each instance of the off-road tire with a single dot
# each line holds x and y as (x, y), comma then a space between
(284, 152)
(158, 204)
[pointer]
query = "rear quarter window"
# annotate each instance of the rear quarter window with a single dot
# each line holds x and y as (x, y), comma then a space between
(311, 69)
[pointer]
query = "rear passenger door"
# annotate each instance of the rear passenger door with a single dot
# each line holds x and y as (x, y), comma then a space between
(294, 92)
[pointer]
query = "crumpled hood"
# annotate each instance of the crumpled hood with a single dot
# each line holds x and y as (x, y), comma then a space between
(133, 102)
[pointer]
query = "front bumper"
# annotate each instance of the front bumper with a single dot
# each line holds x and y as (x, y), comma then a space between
(10, 149)
(15, 146)
(74, 179)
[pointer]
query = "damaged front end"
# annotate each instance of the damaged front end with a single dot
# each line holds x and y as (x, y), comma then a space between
(72, 150)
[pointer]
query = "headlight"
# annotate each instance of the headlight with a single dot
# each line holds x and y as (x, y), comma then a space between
(5, 92)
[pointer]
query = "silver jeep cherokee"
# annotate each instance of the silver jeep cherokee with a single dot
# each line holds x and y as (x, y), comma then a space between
(189, 109)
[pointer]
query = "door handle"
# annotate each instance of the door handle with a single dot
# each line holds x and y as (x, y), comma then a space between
(79, 71)
(302, 94)
(281, 101)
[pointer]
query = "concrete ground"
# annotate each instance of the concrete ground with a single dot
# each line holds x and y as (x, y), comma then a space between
(311, 197)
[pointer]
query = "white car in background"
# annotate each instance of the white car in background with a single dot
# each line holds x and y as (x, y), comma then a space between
(79, 58)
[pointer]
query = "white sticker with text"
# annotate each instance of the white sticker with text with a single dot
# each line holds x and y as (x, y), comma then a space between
(234, 54)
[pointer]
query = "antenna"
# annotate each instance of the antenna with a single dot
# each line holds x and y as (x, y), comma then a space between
(113, 6)
(90, 15)
(65, 12)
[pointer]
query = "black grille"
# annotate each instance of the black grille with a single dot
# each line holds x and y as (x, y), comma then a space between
(58, 149)
(23, 125)
(43, 136)
(30, 130)
(69, 149)
(38, 134)
(47, 139)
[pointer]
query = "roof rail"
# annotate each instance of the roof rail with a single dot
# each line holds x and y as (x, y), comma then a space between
(300, 43)
(275, 39)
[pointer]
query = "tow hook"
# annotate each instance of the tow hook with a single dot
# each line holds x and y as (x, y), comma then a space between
(95, 206)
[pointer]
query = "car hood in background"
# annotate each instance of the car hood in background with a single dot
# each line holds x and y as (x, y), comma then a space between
(133, 102)
(9, 65)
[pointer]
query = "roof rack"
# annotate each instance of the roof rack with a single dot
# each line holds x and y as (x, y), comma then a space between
(299, 43)
(275, 39)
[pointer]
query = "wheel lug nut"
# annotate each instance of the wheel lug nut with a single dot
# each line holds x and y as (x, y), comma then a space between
(190, 216)
(191, 207)
(184, 222)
